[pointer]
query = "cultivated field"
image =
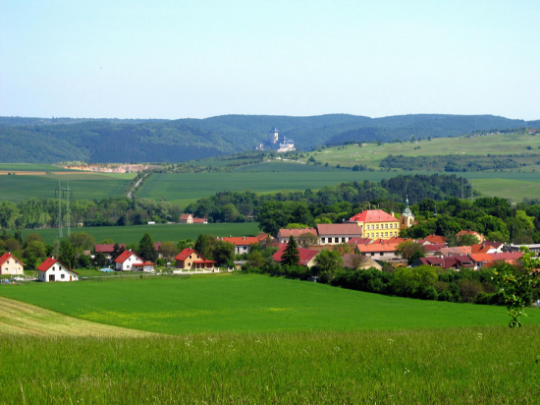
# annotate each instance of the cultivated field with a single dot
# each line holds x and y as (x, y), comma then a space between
(85, 186)
(257, 339)
(371, 155)
(160, 232)
(248, 303)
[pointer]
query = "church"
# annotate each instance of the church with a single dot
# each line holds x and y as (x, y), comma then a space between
(378, 224)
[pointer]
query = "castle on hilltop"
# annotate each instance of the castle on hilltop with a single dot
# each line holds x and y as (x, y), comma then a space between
(272, 143)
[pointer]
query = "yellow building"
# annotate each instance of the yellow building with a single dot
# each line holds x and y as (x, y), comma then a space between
(377, 224)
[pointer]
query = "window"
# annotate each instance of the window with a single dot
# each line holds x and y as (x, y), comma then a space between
(343, 240)
(386, 234)
(377, 226)
(63, 276)
(386, 226)
(377, 234)
(323, 240)
(380, 254)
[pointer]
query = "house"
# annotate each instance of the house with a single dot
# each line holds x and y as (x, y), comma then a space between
(190, 219)
(507, 257)
(465, 262)
(10, 264)
(186, 219)
(481, 259)
(535, 248)
(436, 239)
(126, 260)
(284, 235)
(433, 250)
(379, 251)
(333, 234)
(54, 270)
(146, 266)
(481, 238)
(497, 247)
(241, 244)
(306, 256)
(157, 246)
(359, 241)
(107, 249)
(376, 224)
(359, 262)
(456, 251)
(191, 259)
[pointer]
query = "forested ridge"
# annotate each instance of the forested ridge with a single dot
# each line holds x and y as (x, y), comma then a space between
(35, 140)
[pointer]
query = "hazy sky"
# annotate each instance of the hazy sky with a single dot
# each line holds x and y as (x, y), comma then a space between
(177, 59)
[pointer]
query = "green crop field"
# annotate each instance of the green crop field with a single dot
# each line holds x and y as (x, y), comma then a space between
(187, 187)
(159, 232)
(248, 303)
(85, 186)
(29, 167)
(257, 339)
(276, 166)
(371, 155)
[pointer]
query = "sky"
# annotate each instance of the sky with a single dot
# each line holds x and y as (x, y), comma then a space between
(202, 58)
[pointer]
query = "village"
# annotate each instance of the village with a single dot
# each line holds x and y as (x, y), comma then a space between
(368, 240)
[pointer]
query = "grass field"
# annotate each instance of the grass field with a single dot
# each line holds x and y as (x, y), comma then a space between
(307, 344)
(248, 303)
(371, 155)
(29, 167)
(188, 187)
(85, 186)
(275, 166)
(159, 233)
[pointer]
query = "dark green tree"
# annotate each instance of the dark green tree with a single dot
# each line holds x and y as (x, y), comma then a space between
(67, 254)
(273, 216)
(291, 256)
(224, 253)
(205, 245)
(100, 259)
(146, 248)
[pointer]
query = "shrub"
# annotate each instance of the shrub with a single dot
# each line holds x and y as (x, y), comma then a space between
(446, 296)
(469, 289)
(430, 293)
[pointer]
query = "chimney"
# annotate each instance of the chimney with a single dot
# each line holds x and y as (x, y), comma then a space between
(392, 213)
(244, 238)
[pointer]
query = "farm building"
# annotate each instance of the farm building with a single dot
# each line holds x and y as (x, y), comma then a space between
(191, 259)
(9, 264)
(127, 260)
(333, 234)
(190, 219)
(52, 270)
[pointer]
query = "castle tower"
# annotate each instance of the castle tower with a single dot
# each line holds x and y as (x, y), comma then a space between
(406, 220)
(273, 136)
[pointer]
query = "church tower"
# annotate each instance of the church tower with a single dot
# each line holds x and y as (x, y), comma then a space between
(406, 220)
(273, 136)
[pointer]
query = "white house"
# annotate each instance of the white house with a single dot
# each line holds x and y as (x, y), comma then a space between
(9, 264)
(54, 270)
(127, 260)
(333, 234)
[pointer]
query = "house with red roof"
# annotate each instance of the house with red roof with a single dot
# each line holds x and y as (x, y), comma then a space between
(242, 243)
(127, 260)
(192, 259)
(333, 234)
(284, 235)
(10, 264)
(107, 249)
(52, 270)
(306, 256)
(379, 251)
(434, 261)
(436, 239)
(377, 224)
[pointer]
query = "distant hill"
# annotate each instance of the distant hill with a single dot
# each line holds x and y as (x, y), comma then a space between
(43, 140)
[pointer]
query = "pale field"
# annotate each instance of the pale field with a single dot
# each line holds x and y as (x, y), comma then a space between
(18, 318)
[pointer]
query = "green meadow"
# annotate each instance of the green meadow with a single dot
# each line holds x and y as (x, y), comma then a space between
(484, 365)
(85, 186)
(231, 339)
(371, 154)
(248, 303)
(159, 232)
